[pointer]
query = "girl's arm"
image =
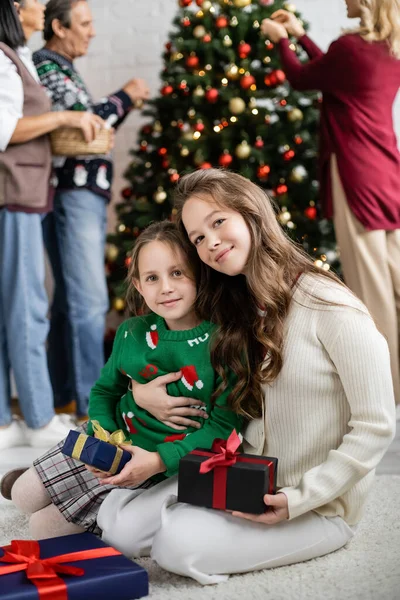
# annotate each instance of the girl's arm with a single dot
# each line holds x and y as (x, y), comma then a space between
(170, 410)
(108, 389)
(146, 464)
(220, 424)
(361, 357)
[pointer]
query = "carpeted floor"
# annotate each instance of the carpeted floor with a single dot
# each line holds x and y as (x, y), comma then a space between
(369, 568)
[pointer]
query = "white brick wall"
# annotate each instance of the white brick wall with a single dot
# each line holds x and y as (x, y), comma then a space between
(130, 39)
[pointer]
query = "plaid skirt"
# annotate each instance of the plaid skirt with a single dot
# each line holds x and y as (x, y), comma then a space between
(75, 491)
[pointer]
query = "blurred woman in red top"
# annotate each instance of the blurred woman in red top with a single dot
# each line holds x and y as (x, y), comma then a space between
(359, 159)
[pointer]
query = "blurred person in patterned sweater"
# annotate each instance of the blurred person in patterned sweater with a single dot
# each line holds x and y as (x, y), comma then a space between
(75, 232)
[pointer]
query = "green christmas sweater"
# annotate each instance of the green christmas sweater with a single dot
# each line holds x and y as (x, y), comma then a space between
(144, 349)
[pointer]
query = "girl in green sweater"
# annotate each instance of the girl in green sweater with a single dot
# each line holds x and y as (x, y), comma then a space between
(62, 495)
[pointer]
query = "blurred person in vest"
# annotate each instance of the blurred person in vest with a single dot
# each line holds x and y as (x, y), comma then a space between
(359, 77)
(25, 167)
(75, 232)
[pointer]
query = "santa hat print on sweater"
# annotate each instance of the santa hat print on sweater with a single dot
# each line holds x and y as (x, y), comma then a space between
(152, 337)
(190, 378)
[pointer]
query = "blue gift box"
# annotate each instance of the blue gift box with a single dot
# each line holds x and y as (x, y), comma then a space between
(95, 452)
(104, 578)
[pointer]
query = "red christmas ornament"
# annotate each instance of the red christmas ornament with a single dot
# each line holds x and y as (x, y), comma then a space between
(166, 90)
(147, 129)
(126, 192)
(205, 165)
(207, 38)
(199, 126)
(168, 46)
(259, 143)
(311, 213)
(247, 81)
(211, 95)
(174, 177)
(298, 139)
(186, 22)
(225, 160)
(185, 3)
(162, 151)
(128, 261)
(281, 189)
(221, 22)
(283, 102)
(244, 49)
(288, 155)
(192, 62)
(182, 85)
(277, 77)
(269, 46)
(165, 163)
(263, 171)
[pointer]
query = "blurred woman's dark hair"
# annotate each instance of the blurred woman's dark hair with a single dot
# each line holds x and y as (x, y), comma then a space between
(11, 32)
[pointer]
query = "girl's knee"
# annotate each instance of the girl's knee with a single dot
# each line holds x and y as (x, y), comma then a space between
(28, 492)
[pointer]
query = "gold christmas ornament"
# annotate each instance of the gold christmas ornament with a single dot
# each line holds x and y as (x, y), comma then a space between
(160, 195)
(237, 105)
(184, 151)
(157, 127)
(298, 174)
(290, 6)
(111, 252)
(227, 42)
(243, 150)
(118, 304)
(241, 3)
(199, 32)
(232, 72)
(206, 5)
(295, 114)
(198, 92)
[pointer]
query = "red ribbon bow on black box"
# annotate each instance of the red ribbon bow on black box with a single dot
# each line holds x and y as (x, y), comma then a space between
(225, 479)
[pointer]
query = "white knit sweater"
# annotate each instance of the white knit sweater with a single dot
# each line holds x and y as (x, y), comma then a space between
(330, 414)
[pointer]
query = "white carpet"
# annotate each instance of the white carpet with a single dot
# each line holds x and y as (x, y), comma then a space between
(369, 568)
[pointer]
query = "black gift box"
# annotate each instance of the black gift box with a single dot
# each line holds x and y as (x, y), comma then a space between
(247, 481)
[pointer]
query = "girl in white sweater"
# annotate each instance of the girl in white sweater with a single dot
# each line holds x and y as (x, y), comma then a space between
(321, 390)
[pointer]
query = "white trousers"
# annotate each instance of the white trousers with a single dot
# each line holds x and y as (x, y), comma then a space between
(208, 545)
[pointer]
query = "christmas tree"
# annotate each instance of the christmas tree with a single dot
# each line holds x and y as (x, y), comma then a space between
(224, 102)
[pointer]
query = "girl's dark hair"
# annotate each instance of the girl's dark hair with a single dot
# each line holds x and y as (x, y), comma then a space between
(11, 32)
(167, 233)
(60, 10)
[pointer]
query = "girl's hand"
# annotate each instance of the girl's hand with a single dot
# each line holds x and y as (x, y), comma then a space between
(141, 466)
(278, 510)
(97, 472)
(273, 31)
(290, 22)
(170, 410)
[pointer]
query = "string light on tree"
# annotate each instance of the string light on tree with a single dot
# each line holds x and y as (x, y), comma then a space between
(215, 110)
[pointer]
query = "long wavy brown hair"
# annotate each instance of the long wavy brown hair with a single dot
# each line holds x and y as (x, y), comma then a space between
(167, 233)
(248, 341)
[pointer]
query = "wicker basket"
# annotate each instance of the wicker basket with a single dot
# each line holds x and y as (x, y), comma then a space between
(68, 141)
